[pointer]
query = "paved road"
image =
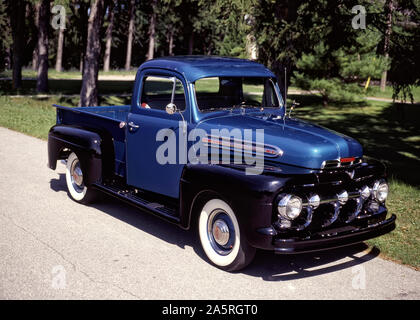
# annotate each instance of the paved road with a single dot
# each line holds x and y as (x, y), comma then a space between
(54, 248)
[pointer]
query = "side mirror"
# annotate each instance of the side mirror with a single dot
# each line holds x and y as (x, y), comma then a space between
(170, 108)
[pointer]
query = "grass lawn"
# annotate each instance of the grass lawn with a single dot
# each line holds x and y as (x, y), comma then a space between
(68, 82)
(68, 74)
(389, 132)
(35, 116)
(68, 87)
(376, 92)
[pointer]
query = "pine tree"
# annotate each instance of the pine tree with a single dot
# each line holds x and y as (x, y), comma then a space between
(338, 75)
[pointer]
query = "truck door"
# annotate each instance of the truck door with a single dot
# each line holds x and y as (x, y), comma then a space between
(147, 125)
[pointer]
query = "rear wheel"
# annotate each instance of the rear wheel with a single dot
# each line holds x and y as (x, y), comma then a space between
(78, 191)
(221, 237)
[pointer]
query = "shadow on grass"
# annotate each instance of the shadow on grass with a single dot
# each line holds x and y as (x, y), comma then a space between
(266, 265)
(389, 132)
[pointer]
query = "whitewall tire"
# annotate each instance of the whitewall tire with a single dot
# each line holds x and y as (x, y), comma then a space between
(75, 183)
(221, 237)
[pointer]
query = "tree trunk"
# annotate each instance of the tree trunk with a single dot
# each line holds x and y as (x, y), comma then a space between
(82, 56)
(171, 42)
(35, 53)
(59, 60)
(17, 21)
(108, 36)
(35, 58)
(84, 17)
(43, 22)
(130, 36)
(389, 8)
(152, 32)
(191, 43)
(89, 92)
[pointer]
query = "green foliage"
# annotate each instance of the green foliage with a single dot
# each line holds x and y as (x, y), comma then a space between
(287, 33)
(6, 39)
(338, 73)
(405, 48)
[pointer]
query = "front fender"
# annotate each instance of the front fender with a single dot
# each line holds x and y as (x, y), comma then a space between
(250, 196)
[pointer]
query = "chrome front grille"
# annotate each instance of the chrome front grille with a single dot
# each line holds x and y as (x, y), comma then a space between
(338, 163)
(335, 209)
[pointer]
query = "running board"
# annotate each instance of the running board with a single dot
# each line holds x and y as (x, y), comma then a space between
(136, 200)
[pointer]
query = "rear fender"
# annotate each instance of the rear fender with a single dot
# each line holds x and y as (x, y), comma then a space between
(87, 145)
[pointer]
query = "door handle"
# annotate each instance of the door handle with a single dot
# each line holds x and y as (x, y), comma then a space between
(133, 126)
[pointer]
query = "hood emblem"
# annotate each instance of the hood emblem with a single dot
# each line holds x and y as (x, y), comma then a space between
(350, 173)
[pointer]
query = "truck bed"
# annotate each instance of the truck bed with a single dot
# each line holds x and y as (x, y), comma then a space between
(106, 119)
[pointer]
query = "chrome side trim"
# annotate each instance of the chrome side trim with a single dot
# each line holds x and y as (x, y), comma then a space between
(232, 144)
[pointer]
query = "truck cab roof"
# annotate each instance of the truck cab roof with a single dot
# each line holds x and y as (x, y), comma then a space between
(197, 67)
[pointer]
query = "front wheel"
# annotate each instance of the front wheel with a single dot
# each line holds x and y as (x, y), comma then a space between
(75, 184)
(221, 237)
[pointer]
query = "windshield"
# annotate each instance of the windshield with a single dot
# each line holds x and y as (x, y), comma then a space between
(221, 93)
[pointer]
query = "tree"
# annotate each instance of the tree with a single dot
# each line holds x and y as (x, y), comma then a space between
(35, 52)
(404, 49)
(60, 45)
(5, 40)
(279, 31)
(130, 35)
(398, 22)
(60, 22)
(222, 28)
(152, 31)
(17, 21)
(80, 10)
(89, 91)
(389, 8)
(43, 22)
(108, 35)
(169, 24)
(336, 74)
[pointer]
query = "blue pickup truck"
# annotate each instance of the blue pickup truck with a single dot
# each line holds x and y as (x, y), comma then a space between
(207, 143)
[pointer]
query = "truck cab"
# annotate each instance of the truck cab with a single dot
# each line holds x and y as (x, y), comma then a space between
(207, 143)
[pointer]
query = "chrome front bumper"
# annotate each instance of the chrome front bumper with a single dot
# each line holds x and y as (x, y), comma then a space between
(333, 238)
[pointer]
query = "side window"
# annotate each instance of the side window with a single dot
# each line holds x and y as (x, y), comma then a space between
(157, 93)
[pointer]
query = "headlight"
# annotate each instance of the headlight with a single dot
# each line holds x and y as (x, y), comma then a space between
(380, 190)
(289, 207)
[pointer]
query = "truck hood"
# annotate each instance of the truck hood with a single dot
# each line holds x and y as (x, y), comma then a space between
(302, 143)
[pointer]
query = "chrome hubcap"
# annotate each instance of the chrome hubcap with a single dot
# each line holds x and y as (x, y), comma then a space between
(76, 176)
(221, 232)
